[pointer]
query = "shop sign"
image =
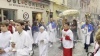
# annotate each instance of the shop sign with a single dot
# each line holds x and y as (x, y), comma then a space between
(26, 4)
(25, 15)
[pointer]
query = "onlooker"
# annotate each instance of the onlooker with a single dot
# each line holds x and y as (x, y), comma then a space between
(74, 30)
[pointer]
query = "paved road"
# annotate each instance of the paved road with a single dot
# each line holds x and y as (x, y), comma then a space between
(77, 51)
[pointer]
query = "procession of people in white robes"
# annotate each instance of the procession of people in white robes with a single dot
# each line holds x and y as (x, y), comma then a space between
(4, 42)
(5, 37)
(43, 40)
(19, 43)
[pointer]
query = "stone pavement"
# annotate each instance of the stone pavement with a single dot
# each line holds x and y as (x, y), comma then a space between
(55, 51)
(79, 49)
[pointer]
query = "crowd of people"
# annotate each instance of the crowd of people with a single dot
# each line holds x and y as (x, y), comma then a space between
(19, 38)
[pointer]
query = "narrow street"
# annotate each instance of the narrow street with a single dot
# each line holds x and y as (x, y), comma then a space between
(55, 51)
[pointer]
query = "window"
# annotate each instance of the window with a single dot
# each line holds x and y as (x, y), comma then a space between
(7, 14)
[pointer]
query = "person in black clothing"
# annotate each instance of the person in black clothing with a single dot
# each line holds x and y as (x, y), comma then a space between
(74, 30)
(92, 34)
(35, 30)
(26, 25)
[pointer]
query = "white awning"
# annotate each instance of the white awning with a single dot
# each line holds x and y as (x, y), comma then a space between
(69, 13)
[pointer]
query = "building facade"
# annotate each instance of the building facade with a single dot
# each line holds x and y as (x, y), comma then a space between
(23, 9)
(58, 6)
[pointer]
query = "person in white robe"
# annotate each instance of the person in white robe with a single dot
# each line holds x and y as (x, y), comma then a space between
(52, 30)
(28, 29)
(67, 40)
(5, 37)
(42, 40)
(21, 42)
(86, 30)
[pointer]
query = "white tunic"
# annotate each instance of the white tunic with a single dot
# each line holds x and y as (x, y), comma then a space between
(67, 43)
(30, 33)
(23, 44)
(5, 42)
(96, 46)
(51, 33)
(98, 53)
(86, 35)
(43, 46)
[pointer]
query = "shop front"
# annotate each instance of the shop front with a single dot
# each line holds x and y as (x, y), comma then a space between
(22, 9)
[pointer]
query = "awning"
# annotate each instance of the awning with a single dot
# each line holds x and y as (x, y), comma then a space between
(69, 13)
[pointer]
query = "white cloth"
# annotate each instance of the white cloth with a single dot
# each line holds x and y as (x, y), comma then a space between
(51, 33)
(96, 45)
(67, 43)
(23, 44)
(5, 42)
(86, 35)
(30, 33)
(13, 28)
(98, 53)
(43, 46)
(35, 34)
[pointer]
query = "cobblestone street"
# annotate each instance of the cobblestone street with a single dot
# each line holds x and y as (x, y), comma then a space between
(55, 51)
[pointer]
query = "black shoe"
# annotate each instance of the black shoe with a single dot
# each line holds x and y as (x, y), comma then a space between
(86, 50)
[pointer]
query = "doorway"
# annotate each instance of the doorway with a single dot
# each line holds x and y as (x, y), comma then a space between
(37, 16)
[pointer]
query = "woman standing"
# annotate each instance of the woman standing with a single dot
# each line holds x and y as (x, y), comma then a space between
(74, 30)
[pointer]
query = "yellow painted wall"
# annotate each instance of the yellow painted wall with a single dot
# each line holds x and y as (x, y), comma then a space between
(57, 1)
(59, 8)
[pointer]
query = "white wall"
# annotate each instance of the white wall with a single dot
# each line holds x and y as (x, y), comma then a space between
(21, 10)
